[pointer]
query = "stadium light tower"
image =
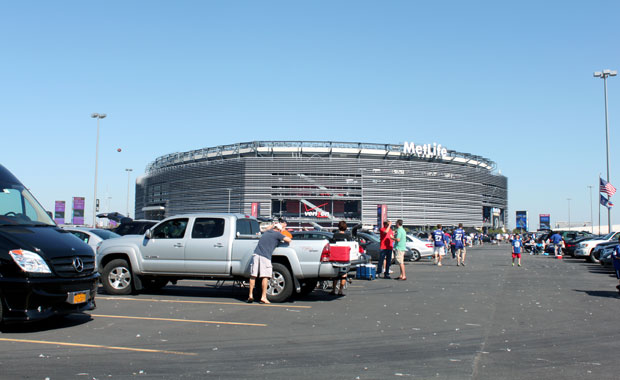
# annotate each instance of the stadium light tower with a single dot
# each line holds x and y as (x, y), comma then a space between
(97, 116)
(605, 74)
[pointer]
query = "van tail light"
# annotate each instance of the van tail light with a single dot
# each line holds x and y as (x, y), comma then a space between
(361, 249)
(325, 255)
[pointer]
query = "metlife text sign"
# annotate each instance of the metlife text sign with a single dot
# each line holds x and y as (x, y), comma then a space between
(427, 150)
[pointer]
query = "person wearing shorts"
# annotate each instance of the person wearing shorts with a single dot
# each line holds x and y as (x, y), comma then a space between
(400, 246)
(437, 237)
(615, 256)
(260, 263)
(516, 250)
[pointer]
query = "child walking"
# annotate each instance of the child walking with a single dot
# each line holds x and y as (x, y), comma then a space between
(516, 250)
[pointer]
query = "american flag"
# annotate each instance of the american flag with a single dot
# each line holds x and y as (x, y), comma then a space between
(607, 188)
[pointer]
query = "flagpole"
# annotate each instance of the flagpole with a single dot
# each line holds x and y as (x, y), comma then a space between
(599, 204)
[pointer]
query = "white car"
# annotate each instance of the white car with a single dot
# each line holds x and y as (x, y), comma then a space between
(92, 236)
(585, 248)
(420, 248)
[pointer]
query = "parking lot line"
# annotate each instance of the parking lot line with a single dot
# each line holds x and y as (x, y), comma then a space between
(98, 346)
(180, 320)
(203, 302)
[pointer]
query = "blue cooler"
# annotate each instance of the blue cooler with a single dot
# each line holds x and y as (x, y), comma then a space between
(366, 272)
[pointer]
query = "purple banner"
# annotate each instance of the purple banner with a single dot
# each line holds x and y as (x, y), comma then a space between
(78, 211)
(59, 212)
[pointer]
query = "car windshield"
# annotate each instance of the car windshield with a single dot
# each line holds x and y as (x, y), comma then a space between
(19, 207)
(608, 236)
(105, 234)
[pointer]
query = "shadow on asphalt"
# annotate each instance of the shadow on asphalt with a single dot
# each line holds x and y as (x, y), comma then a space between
(600, 293)
(240, 293)
(53, 323)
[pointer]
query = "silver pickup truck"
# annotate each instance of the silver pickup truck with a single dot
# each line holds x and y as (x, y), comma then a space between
(211, 246)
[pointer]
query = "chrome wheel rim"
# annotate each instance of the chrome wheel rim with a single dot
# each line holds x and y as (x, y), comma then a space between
(119, 278)
(277, 283)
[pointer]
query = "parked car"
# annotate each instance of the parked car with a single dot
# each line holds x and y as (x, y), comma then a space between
(44, 270)
(92, 236)
(419, 248)
(570, 245)
(605, 258)
(128, 226)
(602, 247)
(585, 248)
(371, 244)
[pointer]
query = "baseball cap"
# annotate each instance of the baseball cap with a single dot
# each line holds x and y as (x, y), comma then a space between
(277, 226)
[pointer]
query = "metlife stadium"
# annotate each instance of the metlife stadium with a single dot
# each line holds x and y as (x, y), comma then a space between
(322, 182)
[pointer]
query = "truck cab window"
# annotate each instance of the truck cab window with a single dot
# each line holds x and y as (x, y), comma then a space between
(171, 229)
(207, 228)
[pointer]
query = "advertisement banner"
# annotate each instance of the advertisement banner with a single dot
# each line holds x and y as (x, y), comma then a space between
(255, 211)
(59, 212)
(78, 211)
(545, 222)
(522, 220)
(381, 215)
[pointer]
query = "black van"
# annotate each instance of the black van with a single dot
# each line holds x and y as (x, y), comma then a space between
(44, 270)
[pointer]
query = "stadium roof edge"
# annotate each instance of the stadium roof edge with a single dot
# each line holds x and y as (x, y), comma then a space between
(354, 149)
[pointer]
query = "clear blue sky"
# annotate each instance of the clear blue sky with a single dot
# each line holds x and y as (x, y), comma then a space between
(508, 81)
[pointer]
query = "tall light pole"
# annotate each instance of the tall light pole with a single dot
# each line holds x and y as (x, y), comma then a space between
(97, 116)
(591, 217)
(568, 199)
(128, 181)
(604, 75)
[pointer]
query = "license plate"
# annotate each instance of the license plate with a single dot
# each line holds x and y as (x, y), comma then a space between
(77, 297)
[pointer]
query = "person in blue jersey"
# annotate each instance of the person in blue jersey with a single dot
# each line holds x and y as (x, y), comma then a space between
(458, 237)
(556, 240)
(616, 260)
(517, 244)
(437, 237)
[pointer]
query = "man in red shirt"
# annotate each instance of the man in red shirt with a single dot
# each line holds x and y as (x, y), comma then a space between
(387, 236)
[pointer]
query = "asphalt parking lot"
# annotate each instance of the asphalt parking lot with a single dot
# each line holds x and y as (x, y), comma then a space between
(550, 319)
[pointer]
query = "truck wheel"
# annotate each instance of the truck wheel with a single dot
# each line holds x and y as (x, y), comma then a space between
(415, 255)
(308, 286)
(116, 277)
(280, 285)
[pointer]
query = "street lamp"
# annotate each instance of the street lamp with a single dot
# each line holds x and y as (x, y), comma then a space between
(568, 199)
(604, 74)
(128, 175)
(97, 116)
(591, 217)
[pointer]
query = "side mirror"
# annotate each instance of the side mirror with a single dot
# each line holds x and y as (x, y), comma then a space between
(149, 234)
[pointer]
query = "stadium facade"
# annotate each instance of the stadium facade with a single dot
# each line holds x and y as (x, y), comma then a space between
(320, 182)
